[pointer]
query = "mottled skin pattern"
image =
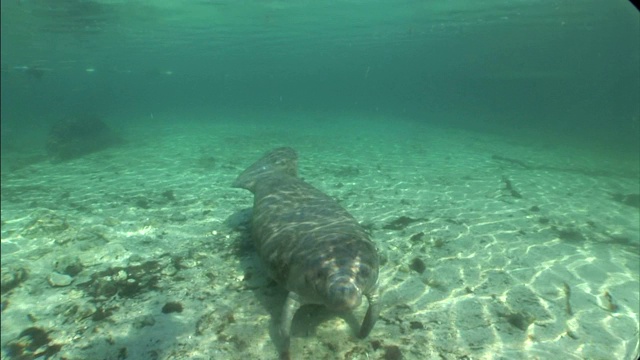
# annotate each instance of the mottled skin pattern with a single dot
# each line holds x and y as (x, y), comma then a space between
(310, 244)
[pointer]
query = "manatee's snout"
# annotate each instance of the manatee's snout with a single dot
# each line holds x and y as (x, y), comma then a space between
(343, 294)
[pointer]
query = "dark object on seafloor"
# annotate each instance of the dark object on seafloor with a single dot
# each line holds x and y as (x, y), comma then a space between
(401, 223)
(309, 243)
(513, 161)
(172, 307)
(75, 137)
(418, 265)
(509, 187)
(627, 199)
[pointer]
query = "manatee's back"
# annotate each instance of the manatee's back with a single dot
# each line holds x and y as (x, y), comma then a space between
(299, 231)
(310, 244)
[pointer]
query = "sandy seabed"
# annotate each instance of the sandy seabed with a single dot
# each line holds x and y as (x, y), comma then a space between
(492, 247)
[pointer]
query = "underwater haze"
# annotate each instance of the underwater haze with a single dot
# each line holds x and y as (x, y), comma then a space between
(490, 148)
(559, 66)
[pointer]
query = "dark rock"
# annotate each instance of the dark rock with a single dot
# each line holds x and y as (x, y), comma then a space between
(416, 325)
(171, 307)
(77, 136)
(376, 344)
(628, 199)
(123, 353)
(392, 352)
(418, 265)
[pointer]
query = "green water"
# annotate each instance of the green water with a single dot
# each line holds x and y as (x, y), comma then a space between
(491, 149)
(567, 68)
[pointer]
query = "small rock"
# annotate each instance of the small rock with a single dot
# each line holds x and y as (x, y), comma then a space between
(86, 310)
(121, 275)
(59, 280)
(69, 265)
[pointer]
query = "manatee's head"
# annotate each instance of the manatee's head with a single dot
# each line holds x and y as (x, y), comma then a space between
(349, 277)
(343, 293)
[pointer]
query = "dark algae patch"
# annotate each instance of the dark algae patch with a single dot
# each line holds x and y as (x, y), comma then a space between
(569, 234)
(416, 237)
(418, 265)
(32, 343)
(632, 200)
(401, 223)
(125, 281)
(77, 136)
(392, 352)
(172, 307)
(520, 320)
(416, 325)
(11, 278)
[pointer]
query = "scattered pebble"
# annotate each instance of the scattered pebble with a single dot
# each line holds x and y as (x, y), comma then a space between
(59, 280)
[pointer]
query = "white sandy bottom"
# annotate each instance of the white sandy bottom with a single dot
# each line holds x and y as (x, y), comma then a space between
(473, 271)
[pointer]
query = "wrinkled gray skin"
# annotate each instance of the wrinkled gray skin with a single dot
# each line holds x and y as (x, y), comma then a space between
(310, 244)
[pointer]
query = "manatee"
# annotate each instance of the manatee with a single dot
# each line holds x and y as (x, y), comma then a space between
(310, 245)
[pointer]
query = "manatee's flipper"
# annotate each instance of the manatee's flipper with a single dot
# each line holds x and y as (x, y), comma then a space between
(291, 305)
(372, 315)
(280, 160)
